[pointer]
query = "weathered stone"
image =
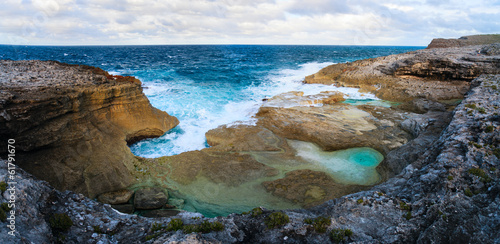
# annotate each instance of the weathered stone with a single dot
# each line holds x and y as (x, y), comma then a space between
(464, 41)
(308, 187)
(124, 208)
(422, 106)
(150, 198)
(71, 123)
(450, 192)
(116, 197)
(434, 74)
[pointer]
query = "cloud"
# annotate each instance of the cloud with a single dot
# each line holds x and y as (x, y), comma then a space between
(391, 22)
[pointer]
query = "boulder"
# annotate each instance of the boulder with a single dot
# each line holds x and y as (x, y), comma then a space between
(116, 197)
(150, 198)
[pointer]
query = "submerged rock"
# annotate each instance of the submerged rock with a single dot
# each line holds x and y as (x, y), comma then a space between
(150, 198)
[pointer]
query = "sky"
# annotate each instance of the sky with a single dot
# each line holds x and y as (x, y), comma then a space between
(312, 22)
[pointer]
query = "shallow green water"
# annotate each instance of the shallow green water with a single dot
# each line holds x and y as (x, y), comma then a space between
(372, 102)
(351, 166)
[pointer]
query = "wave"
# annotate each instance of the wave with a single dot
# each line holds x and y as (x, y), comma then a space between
(202, 107)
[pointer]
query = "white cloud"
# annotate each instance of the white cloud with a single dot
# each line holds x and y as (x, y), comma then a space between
(411, 22)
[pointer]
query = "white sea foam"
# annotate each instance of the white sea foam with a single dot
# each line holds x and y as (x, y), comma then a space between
(201, 108)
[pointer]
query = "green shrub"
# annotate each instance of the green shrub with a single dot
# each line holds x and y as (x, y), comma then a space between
(156, 227)
(175, 225)
(468, 192)
(489, 128)
(480, 173)
(309, 221)
(496, 152)
(5, 207)
(450, 177)
(473, 106)
(3, 186)
(3, 215)
(60, 222)
(189, 229)
(339, 235)
(404, 206)
(321, 224)
(256, 212)
(481, 110)
(407, 215)
(97, 229)
(276, 219)
(359, 201)
(218, 226)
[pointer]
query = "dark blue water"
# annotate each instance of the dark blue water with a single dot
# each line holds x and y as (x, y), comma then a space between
(206, 85)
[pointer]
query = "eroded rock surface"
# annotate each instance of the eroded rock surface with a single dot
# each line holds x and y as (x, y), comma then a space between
(72, 123)
(450, 193)
(435, 74)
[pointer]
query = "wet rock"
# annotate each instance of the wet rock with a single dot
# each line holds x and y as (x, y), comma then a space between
(116, 197)
(177, 203)
(308, 187)
(124, 208)
(158, 213)
(422, 106)
(150, 198)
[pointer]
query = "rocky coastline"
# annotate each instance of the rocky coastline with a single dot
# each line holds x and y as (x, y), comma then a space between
(439, 177)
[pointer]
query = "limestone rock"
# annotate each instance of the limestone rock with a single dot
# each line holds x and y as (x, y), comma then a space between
(422, 106)
(450, 193)
(434, 74)
(116, 197)
(464, 41)
(72, 123)
(294, 98)
(150, 198)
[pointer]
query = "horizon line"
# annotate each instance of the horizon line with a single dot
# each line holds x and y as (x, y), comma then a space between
(118, 45)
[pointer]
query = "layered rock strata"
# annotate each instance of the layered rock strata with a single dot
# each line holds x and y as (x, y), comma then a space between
(71, 123)
(435, 74)
(450, 193)
(464, 41)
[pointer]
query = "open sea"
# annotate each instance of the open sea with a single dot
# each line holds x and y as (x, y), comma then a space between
(206, 86)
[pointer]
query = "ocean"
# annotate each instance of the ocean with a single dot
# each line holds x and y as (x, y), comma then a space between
(206, 86)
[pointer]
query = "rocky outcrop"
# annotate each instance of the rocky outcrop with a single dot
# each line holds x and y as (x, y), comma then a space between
(464, 41)
(71, 123)
(434, 74)
(150, 198)
(448, 194)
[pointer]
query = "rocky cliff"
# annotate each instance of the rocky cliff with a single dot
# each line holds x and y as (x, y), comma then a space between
(435, 74)
(440, 179)
(450, 194)
(464, 41)
(71, 123)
